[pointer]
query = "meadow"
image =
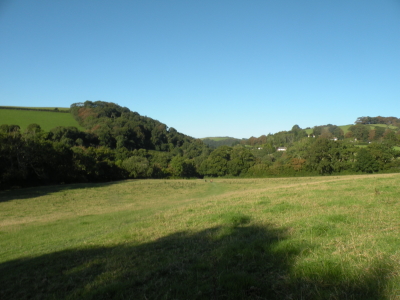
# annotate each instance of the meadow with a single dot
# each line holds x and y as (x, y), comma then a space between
(46, 119)
(284, 238)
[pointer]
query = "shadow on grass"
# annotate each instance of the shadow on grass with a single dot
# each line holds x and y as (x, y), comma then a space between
(226, 262)
(37, 191)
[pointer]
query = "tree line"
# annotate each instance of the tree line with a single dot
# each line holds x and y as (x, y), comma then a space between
(118, 144)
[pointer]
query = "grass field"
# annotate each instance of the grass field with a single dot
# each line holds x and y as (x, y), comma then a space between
(49, 108)
(345, 128)
(286, 238)
(46, 120)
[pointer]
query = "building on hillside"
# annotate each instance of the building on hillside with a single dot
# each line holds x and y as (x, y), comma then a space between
(281, 149)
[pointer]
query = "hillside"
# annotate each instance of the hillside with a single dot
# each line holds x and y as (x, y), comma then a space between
(345, 128)
(219, 138)
(118, 143)
(46, 119)
(216, 142)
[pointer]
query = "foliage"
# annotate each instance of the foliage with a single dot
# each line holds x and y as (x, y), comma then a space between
(217, 142)
(118, 144)
(117, 127)
(378, 120)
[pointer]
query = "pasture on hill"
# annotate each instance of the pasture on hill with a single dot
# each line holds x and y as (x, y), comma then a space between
(345, 128)
(46, 119)
(282, 238)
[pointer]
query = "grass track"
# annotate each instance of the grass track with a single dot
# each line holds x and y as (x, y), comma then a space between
(285, 238)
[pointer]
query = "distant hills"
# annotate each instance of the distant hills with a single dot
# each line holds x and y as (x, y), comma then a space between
(51, 117)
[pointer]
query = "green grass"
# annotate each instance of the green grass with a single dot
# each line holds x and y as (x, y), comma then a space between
(49, 108)
(286, 238)
(345, 128)
(46, 120)
(385, 126)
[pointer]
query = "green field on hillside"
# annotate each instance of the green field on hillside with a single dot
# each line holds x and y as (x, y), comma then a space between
(47, 108)
(345, 128)
(46, 119)
(286, 238)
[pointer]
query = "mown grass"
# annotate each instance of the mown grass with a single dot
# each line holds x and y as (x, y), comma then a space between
(47, 120)
(296, 238)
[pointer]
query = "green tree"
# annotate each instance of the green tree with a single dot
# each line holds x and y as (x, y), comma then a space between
(325, 156)
(217, 163)
(366, 162)
(360, 132)
(241, 159)
(137, 167)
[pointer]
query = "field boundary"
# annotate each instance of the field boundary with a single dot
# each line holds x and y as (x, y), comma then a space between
(56, 110)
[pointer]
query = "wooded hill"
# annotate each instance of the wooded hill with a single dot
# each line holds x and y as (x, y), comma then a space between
(117, 127)
(215, 142)
(117, 143)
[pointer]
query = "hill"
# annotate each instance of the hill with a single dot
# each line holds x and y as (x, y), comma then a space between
(216, 142)
(289, 238)
(118, 143)
(219, 138)
(46, 119)
(345, 128)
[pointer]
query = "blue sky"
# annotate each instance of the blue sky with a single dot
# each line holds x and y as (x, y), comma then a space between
(207, 68)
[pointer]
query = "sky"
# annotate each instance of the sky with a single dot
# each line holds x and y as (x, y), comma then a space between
(207, 68)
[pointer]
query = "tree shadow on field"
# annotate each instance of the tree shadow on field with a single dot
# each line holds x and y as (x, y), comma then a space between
(226, 262)
(38, 191)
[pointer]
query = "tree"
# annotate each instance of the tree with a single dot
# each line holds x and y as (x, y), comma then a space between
(360, 132)
(366, 162)
(137, 166)
(390, 137)
(325, 156)
(182, 167)
(241, 159)
(217, 163)
(33, 129)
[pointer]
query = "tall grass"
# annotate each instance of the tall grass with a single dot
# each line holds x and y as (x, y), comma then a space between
(296, 238)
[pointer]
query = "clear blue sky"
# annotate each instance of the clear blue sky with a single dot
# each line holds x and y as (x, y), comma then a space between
(207, 68)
